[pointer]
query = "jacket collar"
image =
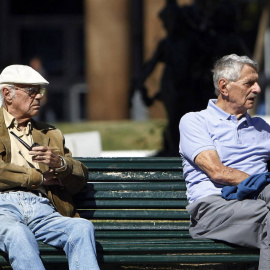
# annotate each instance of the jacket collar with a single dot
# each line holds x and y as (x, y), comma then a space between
(38, 132)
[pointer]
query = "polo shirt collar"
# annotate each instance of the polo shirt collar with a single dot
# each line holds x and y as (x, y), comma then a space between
(222, 115)
(248, 118)
(216, 111)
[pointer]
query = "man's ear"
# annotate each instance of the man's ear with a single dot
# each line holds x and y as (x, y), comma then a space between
(6, 94)
(222, 86)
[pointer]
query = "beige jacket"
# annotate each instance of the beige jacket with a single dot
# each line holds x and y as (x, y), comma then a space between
(15, 176)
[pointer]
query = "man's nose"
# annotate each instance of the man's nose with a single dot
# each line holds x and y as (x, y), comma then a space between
(38, 96)
(256, 88)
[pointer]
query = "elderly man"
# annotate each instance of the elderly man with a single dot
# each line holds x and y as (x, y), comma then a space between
(38, 176)
(222, 146)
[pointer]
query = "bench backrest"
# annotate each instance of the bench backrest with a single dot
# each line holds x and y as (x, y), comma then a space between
(138, 205)
(134, 194)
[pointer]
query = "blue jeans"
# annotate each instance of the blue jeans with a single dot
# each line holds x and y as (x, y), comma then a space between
(26, 218)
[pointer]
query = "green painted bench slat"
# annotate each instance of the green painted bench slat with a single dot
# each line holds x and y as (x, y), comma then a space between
(142, 186)
(180, 258)
(136, 176)
(135, 214)
(165, 247)
(123, 225)
(154, 245)
(4, 260)
(172, 243)
(143, 203)
(126, 164)
(54, 259)
(146, 194)
(47, 259)
(142, 234)
(155, 259)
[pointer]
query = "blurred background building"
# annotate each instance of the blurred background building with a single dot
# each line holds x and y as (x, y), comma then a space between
(90, 50)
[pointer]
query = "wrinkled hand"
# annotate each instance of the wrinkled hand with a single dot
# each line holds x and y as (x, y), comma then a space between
(49, 179)
(44, 154)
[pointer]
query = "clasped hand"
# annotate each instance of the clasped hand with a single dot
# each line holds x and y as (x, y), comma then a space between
(44, 154)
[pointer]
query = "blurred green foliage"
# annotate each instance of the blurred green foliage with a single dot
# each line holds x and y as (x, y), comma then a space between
(122, 135)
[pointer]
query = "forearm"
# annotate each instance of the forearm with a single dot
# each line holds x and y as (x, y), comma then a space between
(228, 176)
(209, 162)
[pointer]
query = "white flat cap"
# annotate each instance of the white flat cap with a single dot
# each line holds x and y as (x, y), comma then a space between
(21, 74)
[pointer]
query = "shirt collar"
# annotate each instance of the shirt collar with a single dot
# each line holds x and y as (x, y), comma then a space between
(218, 112)
(11, 122)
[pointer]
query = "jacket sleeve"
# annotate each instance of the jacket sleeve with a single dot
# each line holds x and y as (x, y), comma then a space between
(75, 176)
(14, 176)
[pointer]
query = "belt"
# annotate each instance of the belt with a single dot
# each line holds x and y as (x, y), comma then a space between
(34, 191)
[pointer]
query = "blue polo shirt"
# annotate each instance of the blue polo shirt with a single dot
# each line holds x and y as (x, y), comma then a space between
(243, 145)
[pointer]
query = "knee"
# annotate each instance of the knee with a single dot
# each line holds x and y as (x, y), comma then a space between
(17, 236)
(18, 232)
(82, 227)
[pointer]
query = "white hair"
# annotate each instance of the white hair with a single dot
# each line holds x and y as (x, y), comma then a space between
(229, 67)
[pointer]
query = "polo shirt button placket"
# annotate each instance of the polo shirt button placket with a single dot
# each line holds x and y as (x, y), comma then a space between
(239, 141)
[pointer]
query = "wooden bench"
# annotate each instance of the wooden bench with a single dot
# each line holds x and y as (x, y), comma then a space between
(138, 208)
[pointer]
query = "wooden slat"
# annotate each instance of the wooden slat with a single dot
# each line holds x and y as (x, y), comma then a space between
(131, 204)
(129, 194)
(170, 246)
(162, 185)
(156, 245)
(112, 176)
(54, 259)
(135, 214)
(112, 225)
(169, 259)
(114, 164)
(142, 241)
(44, 249)
(4, 259)
(142, 234)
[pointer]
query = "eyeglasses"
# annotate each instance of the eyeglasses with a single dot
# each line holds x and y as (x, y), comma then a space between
(31, 91)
